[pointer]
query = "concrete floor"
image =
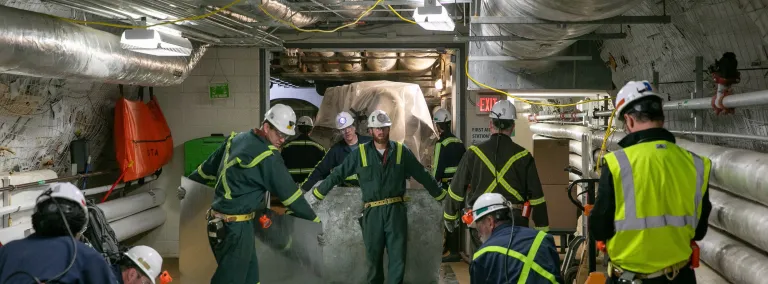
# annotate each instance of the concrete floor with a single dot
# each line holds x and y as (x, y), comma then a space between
(450, 273)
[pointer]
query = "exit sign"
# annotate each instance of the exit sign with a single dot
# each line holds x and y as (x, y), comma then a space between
(485, 103)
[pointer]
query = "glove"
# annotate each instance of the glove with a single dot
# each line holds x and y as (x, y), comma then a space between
(450, 225)
(311, 198)
(181, 192)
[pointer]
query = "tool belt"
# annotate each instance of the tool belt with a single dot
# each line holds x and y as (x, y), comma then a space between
(226, 218)
(385, 202)
(670, 272)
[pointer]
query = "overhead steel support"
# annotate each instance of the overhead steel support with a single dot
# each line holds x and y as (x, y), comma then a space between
(446, 38)
(530, 20)
(510, 58)
(264, 82)
(592, 36)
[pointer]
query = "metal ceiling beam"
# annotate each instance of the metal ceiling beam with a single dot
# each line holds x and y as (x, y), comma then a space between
(592, 36)
(513, 59)
(427, 38)
(530, 20)
(374, 19)
(353, 3)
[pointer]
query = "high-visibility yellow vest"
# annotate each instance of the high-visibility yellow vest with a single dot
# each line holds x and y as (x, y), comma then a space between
(659, 188)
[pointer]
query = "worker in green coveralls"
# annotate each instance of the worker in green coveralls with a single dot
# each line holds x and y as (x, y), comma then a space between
(245, 168)
(382, 166)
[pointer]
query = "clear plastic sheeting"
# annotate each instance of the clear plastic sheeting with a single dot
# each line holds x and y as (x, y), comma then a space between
(738, 262)
(403, 102)
(742, 218)
(38, 45)
(343, 248)
(573, 10)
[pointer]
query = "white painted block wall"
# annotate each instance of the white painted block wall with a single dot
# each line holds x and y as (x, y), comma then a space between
(192, 114)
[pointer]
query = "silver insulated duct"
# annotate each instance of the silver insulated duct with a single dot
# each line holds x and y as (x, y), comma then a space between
(548, 40)
(739, 263)
(38, 45)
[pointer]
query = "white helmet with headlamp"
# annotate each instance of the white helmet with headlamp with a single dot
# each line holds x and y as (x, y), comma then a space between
(632, 92)
(378, 119)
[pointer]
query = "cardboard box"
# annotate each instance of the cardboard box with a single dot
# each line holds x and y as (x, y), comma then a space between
(551, 156)
(563, 214)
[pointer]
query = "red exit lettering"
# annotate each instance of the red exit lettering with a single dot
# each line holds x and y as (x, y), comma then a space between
(485, 104)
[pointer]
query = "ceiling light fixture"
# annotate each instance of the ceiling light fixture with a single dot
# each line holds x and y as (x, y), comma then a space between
(433, 16)
(153, 42)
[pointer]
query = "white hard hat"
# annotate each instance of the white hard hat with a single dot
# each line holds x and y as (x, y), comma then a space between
(305, 121)
(442, 115)
(147, 259)
(379, 118)
(283, 118)
(485, 204)
(344, 120)
(631, 92)
(68, 191)
(503, 109)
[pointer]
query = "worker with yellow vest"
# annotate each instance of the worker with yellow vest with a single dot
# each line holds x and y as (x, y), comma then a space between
(653, 198)
(448, 152)
(245, 168)
(501, 166)
(302, 153)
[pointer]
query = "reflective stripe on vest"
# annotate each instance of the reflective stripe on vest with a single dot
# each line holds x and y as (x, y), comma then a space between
(500, 175)
(528, 260)
(659, 188)
(300, 171)
(304, 143)
(237, 161)
(364, 159)
(439, 145)
(202, 173)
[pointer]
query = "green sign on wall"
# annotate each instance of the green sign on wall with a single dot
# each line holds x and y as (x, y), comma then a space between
(218, 90)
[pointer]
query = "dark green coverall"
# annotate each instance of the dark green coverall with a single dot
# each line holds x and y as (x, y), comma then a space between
(245, 168)
(384, 226)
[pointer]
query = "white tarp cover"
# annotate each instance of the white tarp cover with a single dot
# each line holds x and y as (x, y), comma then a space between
(404, 102)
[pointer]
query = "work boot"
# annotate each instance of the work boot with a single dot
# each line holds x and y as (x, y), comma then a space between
(451, 257)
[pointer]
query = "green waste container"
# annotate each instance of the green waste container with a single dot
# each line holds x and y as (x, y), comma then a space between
(196, 151)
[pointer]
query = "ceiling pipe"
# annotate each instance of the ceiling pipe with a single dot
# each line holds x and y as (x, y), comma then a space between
(139, 223)
(723, 135)
(37, 45)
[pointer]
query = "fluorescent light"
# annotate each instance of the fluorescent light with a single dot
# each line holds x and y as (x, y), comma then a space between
(166, 30)
(155, 43)
(439, 84)
(433, 17)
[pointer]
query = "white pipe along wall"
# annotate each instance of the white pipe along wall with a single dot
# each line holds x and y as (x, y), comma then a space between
(128, 215)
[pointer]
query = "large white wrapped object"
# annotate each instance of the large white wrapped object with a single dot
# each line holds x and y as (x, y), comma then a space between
(404, 102)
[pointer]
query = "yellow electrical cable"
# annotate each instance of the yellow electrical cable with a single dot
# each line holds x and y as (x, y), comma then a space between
(608, 132)
(192, 18)
(399, 16)
(316, 30)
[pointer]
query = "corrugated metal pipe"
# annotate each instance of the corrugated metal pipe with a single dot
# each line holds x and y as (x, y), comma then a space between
(38, 45)
(741, 172)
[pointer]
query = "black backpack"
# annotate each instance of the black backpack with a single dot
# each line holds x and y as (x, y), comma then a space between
(100, 235)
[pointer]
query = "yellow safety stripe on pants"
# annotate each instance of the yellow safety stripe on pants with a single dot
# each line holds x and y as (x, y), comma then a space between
(542, 229)
(454, 195)
(441, 196)
(385, 202)
(304, 143)
(300, 171)
(528, 261)
(293, 198)
(317, 194)
(500, 175)
(202, 173)
(450, 217)
(537, 201)
(237, 160)
(352, 177)
(363, 158)
(316, 220)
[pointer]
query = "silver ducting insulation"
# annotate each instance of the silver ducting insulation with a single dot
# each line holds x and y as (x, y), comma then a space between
(549, 39)
(574, 146)
(742, 218)
(354, 65)
(738, 262)
(575, 161)
(385, 64)
(37, 45)
(741, 172)
(409, 62)
(281, 9)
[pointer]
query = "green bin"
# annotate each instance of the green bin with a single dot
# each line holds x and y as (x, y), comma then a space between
(196, 151)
